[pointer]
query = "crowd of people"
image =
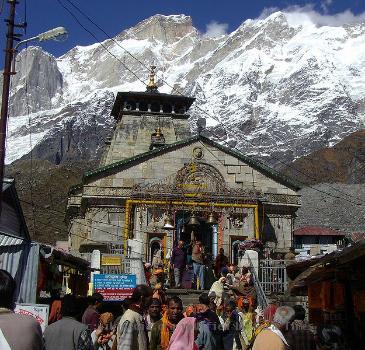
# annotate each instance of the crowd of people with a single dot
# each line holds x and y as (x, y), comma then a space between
(219, 320)
(226, 316)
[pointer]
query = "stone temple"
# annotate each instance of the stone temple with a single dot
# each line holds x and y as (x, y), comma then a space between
(157, 184)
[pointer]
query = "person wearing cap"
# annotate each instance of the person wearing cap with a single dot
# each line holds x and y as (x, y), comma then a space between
(272, 337)
(246, 321)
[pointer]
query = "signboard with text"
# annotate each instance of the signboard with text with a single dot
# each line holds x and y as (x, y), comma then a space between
(114, 287)
(38, 311)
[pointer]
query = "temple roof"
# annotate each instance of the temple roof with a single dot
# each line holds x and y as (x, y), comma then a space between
(150, 97)
(126, 163)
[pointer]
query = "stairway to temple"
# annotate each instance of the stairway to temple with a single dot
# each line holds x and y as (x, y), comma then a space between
(188, 296)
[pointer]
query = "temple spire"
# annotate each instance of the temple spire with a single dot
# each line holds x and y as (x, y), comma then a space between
(152, 86)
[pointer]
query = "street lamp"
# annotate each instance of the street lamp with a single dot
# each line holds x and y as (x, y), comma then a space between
(54, 34)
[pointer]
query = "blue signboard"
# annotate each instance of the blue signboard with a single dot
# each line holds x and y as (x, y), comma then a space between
(114, 287)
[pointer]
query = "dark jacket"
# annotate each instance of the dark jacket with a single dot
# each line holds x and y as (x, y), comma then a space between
(155, 343)
(178, 258)
(210, 332)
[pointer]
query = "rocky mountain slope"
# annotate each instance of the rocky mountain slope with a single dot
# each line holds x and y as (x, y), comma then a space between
(342, 163)
(277, 88)
(46, 186)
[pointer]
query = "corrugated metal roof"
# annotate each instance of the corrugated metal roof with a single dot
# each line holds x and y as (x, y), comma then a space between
(8, 240)
(21, 261)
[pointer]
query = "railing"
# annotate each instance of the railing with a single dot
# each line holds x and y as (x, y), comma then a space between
(261, 297)
(273, 276)
(134, 266)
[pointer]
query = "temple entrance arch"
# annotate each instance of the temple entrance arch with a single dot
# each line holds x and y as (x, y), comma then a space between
(203, 232)
(155, 245)
(234, 248)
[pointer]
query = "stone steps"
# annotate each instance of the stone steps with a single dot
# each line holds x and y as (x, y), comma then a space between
(188, 296)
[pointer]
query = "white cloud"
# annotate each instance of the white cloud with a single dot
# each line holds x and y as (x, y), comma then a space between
(267, 11)
(298, 15)
(325, 4)
(215, 29)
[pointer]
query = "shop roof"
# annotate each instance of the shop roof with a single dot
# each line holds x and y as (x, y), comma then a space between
(317, 231)
(326, 267)
(12, 221)
(62, 257)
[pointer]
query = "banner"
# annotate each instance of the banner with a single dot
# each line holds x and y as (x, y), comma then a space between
(38, 311)
(114, 287)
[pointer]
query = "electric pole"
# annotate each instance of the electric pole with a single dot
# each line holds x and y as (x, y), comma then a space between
(9, 51)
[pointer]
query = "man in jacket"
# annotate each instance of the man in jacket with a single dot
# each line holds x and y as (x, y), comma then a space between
(68, 333)
(17, 332)
(132, 330)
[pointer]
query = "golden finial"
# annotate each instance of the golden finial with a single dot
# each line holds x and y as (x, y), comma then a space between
(158, 132)
(152, 86)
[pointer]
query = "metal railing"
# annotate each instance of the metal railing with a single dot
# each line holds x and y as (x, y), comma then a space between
(261, 296)
(273, 276)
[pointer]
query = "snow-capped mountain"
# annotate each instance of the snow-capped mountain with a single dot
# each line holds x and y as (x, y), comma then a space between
(275, 87)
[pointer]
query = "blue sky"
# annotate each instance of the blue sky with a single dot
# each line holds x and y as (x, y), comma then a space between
(116, 15)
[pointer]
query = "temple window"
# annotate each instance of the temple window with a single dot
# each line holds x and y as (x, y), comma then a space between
(155, 107)
(143, 106)
(167, 108)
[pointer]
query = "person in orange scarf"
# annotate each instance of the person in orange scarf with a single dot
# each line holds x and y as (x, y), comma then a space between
(163, 329)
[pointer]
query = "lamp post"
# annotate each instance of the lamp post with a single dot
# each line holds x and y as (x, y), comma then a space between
(53, 34)
(57, 34)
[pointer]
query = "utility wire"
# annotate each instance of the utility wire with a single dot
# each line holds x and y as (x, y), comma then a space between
(180, 93)
(310, 186)
(102, 44)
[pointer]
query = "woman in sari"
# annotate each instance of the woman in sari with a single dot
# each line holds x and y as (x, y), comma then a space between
(184, 335)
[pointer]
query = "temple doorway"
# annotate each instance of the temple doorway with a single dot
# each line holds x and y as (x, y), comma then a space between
(154, 247)
(203, 232)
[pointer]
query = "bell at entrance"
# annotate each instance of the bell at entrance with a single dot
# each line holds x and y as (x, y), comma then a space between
(211, 219)
(169, 224)
(193, 221)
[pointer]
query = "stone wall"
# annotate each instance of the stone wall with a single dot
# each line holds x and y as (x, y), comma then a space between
(163, 168)
(132, 135)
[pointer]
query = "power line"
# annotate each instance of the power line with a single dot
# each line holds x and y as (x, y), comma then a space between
(314, 188)
(202, 110)
(102, 44)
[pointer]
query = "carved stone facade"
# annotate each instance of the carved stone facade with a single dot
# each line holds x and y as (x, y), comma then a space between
(138, 187)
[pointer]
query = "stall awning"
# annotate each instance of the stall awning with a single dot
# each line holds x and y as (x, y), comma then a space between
(334, 265)
(317, 231)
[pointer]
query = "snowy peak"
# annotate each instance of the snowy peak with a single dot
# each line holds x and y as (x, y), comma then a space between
(282, 86)
(166, 29)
